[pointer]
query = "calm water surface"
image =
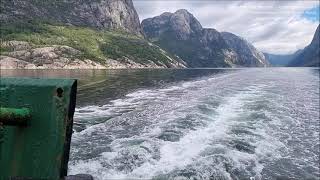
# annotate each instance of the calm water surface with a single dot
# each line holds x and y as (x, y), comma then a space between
(195, 124)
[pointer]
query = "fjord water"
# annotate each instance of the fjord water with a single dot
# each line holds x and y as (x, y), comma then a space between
(195, 124)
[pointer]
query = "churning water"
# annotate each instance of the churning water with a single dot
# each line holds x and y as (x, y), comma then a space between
(243, 124)
(195, 123)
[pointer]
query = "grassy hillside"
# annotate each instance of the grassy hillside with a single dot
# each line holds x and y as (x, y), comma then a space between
(94, 44)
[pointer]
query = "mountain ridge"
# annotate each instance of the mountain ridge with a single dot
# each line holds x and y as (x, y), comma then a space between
(310, 55)
(109, 33)
(101, 14)
(182, 34)
(78, 34)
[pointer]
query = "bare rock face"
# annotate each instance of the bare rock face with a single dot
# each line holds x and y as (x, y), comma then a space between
(181, 34)
(247, 54)
(24, 55)
(13, 63)
(103, 14)
(181, 23)
(184, 24)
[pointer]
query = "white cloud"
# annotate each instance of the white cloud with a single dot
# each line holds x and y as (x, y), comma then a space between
(272, 26)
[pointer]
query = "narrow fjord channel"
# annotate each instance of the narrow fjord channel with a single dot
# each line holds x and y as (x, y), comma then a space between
(197, 124)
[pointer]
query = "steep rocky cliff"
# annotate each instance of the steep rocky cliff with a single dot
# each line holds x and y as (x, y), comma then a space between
(310, 56)
(181, 33)
(110, 14)
(247, 54)
(99, 33)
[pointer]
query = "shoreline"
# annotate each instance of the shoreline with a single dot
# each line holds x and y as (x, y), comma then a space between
(148, 68)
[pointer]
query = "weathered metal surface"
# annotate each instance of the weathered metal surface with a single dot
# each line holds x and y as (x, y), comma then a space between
(14, 117)
(39, 150)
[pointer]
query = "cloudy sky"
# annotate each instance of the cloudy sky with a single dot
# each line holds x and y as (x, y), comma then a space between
(278, 27)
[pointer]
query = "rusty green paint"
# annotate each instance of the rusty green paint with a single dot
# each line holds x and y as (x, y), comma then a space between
(14, 117)
(39, 150)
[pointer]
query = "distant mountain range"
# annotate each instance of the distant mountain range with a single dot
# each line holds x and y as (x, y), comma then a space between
(180, 33)
(281, 60)
(307, 57)
(108, 34)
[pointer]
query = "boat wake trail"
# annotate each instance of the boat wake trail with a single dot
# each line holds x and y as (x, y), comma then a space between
(233, 126)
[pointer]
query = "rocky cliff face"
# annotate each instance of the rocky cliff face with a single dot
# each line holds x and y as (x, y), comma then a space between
(310, 56)
(110, 14)
(247, 54)
(76, 34)
(24, 56)
(181, 33)
(183, 24)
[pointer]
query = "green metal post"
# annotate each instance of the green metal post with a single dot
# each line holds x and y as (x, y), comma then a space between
(36, 117)
(14, 117)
